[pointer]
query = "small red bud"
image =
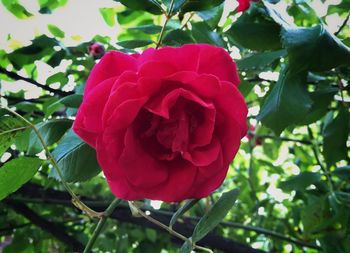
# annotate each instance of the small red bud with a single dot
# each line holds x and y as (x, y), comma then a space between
(96, 50)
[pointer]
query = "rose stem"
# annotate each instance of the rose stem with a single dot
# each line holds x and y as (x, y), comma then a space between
(75, 199)
(170, 230)
(109, 210)
(168, 16)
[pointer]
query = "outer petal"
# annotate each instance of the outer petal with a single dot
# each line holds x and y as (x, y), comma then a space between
(183, 58)
(231, 102)
(111, 64)
(216, 61)
(88, 123)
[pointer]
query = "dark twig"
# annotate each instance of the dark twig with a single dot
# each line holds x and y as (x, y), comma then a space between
(15, 76)
(343, 24)
(54, 229)
(51, 196)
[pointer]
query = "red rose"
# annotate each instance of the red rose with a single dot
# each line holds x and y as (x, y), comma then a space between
(243, 4)
(165, 123)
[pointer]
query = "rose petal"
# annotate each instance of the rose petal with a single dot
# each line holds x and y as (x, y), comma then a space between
(216, 61)
(161, 103)
(204, 156)
(203, 85)
(125, 77)
(140, 169)
(124, 114)
(111, 64)
(224, 102)
(156, 69)
(184, 58)
(88, 123)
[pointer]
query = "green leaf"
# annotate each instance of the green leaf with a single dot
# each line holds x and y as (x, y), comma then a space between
(131, 44)
(17, 172)
(300, 182)
(190, 203)
(177, 38)
(72, 101)
(76, 159)
(10, 128)
(57, 32)
(56, 58)
(149, 29)
(186, 247)
(342, 172)
(196, 5)
(41, 46)
(288, 103)
(212, 16)
(335, 135)
(215, 215)
(147, 5)
(202, 33)
(314, 213)
(321, 99)
(260, 61)
(51, 131)
(314, 49)
(16, 9)
(59, 77)
(255, 31)
(108, 15)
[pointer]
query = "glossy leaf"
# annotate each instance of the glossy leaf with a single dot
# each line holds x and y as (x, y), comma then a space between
(57, 32)
(288, 103)
(300, 182)
(178, 38)
(186, 247)
(195, 5)
(335, 136)
(10, 128)
(215, 215)
(182, 210)
(76, 159)
(147, 5)
(108, 15)
(16, 9)
(51, 131)
(315, 49)
(131, 44)
(254, 31)
(149, 29)
(17, 172)
(260, 61)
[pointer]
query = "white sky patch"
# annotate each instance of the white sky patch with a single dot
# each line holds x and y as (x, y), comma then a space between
(77, 17)
(156, 204)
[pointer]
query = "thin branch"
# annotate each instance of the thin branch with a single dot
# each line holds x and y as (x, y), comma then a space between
(15, 76)
(101, 224)
(49, 196)
(167, 18)
(170, 230)
(54, 229)
(75, 199)
(188, 20)
(307, 142)
(343, 24)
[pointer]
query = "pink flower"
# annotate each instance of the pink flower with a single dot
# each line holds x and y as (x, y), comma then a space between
(166, 123)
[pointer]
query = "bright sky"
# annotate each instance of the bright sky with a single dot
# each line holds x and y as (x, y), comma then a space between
(82, 18)
(77, 17)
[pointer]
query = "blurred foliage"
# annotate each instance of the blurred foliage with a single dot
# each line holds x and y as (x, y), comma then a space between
(292, 169)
